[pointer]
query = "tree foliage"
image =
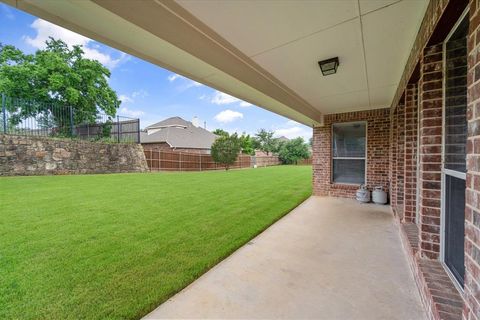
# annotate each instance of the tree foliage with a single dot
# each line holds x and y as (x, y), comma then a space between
(220, 132)
(265, 141)
(293, 150)
(246, 143)
(56, 76)
(225, 149)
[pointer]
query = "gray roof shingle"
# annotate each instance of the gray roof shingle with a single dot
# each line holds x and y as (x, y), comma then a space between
(178, 133)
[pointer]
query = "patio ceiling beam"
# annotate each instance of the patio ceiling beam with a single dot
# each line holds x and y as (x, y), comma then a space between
(167, 25)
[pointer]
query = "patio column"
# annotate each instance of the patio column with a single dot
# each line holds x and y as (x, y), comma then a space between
(393, 160)
(410, 163)
(471, 308)
(321, 158)
(400, 158)
(430, 117)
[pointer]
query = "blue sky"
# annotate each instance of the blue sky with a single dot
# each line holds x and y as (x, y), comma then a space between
(147, 91)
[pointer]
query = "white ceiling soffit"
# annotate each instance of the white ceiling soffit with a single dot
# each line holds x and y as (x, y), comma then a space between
(261, 51)
(372, 39)
(164, 33)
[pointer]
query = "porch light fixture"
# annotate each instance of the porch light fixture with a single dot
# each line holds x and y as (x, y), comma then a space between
(329, 66)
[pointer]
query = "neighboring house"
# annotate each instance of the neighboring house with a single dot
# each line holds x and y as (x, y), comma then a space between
(177, 134)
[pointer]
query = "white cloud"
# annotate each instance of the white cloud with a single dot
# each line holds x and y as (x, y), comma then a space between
(227, 116)
(46, 29)
(245, 104)
(140, 94)
(125, 99)
(131, 113)
(221, 98)
(185, 82)
(173, 77)
(294, 132)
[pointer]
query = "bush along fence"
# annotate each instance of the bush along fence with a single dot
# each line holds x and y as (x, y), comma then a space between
(30, 118)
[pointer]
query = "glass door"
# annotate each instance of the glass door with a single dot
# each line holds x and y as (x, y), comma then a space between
(454, 150)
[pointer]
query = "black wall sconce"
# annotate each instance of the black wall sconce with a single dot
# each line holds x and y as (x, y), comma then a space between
(329, 66)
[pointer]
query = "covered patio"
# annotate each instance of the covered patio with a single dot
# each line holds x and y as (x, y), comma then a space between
(400, 111)
(330, 258)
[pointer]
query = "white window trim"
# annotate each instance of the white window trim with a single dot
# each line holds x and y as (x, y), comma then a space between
(349, 158)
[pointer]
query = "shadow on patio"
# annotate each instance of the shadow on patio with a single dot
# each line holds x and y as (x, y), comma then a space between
(330, 258)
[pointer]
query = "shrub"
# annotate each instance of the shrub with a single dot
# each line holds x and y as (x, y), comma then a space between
(225, 150)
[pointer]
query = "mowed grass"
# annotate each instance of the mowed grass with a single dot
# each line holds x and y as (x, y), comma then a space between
(116, 246)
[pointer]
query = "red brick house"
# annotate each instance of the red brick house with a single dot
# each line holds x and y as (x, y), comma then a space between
(400, 108)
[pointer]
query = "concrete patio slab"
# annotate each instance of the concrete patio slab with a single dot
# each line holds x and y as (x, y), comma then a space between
(330, 258)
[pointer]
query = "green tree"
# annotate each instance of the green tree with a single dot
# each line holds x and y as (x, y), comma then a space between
(220, 132)
(246, 143)
(225, 150)
(54, 78)
(294, 150)
(277, 145)
(265, 141)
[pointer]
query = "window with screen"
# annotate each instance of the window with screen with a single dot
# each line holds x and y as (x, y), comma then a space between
(349, 152)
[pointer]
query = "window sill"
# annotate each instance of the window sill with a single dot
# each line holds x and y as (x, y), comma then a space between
(345, 185)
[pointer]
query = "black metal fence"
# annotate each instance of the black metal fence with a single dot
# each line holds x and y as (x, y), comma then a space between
(27, 117)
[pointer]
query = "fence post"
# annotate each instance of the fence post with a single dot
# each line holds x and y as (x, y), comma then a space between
(138, 130)
(118, 129)
(4, 113)
(72, 132)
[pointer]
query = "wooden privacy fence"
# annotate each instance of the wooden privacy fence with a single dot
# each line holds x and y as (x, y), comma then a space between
(265, 161)
(159, 160)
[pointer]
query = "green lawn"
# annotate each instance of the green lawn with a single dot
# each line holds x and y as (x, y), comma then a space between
(116, 246)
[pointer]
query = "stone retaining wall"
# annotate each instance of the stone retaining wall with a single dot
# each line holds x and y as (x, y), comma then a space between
(21, 155)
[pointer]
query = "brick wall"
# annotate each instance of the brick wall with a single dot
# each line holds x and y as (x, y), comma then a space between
(393, 160)
(378, 132)
(430, 150)
(472, 212)
(400, 166)
(410, 161)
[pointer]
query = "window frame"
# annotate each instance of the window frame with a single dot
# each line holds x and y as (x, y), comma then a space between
(332, 158)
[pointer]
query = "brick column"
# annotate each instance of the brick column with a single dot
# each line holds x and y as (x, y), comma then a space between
(321, 160)
(400, 158)
(410, 163)
(393, 160)
(471, 310)
(430, 151)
